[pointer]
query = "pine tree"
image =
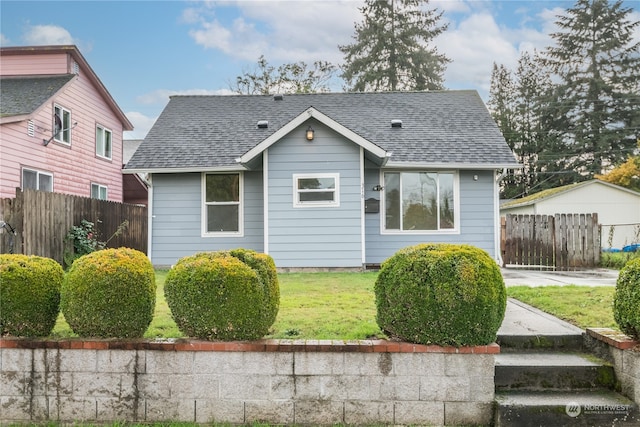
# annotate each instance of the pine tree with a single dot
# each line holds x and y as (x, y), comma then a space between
(391, 49)
(595, 106)
(516, 105)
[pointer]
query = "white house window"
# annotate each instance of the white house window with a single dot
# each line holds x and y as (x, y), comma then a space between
(420, 201)
(37, 180)
(98, 191)
(222, 206)
(316, 190)
(103, 142)
(61, 125)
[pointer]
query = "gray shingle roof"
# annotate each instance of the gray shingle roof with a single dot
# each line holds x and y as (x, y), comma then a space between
(442, 127)
(23, 95)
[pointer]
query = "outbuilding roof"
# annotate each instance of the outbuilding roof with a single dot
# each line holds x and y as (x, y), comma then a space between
(439, 129)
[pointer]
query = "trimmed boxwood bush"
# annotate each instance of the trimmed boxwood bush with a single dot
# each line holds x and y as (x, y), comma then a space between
(441, 294)
(626, 300)
(110, 293)
(29, 295)
(226, 295)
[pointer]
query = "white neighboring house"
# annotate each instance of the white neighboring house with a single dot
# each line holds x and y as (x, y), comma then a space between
(618, 208)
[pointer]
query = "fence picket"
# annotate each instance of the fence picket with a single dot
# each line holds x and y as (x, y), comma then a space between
(561, 241)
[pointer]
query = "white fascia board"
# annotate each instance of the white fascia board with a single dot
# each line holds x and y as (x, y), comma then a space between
(187, 170)
(463, 166)
(300, 119)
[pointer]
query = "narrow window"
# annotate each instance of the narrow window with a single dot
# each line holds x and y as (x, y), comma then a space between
(62, 125)
(316, 190)
(103, 142)
(37, 180)
(98, 191)
(222, 205)
(419, 201)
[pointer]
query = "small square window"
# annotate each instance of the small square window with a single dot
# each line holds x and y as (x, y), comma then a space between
(316, 190)
(37, 180)
(98, 191)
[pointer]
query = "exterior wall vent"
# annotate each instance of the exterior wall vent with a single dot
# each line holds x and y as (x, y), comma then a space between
(263, 124)
(31, 128)
(75, 68)
(396, 123)
(278, 97)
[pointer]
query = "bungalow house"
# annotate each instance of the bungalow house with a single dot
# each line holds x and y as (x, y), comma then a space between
(618, 208)
(60, 129)
(337, 180)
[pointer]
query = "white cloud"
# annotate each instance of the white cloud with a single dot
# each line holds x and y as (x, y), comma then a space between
(281, 31)
(48, 35)
(4, 40)
(141, 125)
(473, 46)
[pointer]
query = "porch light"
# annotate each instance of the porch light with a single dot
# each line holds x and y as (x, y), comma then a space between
(310, 133)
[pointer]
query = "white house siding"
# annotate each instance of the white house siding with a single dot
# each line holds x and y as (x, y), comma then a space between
(614, 207)
(476, 212)
(177, 212)
(314, 236)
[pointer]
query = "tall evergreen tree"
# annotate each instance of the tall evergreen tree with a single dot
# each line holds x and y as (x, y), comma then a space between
(391, 50)
(516, 104)
(594, 108)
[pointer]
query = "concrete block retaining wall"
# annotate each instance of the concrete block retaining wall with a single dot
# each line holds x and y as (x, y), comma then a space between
(623, 353)
(273, 381)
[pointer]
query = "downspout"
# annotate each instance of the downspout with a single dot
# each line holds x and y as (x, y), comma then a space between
(150, 217)
(496, 207)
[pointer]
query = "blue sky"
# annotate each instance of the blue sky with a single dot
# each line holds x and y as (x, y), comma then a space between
(144, 51)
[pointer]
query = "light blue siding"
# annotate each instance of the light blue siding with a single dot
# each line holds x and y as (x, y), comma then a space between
(314, 236)
(177, 218)
(477, 224)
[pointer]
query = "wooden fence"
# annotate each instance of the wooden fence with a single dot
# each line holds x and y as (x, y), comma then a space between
(561, 241)
(42, 221)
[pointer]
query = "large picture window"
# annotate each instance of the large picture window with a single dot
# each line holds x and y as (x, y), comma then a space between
(316, 190)
(103, 142)
(61, 125)
(419, 201)
(37, 180)
(223, 209)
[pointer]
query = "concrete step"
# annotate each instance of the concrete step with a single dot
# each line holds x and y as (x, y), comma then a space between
(534, 409)
(543, 371)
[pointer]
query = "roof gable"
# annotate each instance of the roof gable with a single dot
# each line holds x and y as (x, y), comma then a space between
(450, 129)
(22, 96)
(74, 53)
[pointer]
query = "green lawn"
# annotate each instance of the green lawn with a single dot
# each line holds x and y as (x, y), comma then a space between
(342, 306)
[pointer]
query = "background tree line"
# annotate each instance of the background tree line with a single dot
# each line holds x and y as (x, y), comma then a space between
(570, 112)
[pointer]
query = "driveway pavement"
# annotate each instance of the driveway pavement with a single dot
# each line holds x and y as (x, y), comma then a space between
(593, 277)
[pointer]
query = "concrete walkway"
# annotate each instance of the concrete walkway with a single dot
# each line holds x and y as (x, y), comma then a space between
(523, 320)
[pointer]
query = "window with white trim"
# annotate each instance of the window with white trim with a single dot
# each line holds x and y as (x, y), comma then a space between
(316, 190)
(98, 191)
(420, 201)
(103, 142)
(37, 180)
(222, 204)
(61, 125)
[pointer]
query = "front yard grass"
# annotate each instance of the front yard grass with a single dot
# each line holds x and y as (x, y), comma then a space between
(341, 306)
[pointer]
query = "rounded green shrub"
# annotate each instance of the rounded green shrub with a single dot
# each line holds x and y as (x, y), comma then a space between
(29, 295)
(441, 294)
(110, 293)
(226, 295)
(626, 300)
